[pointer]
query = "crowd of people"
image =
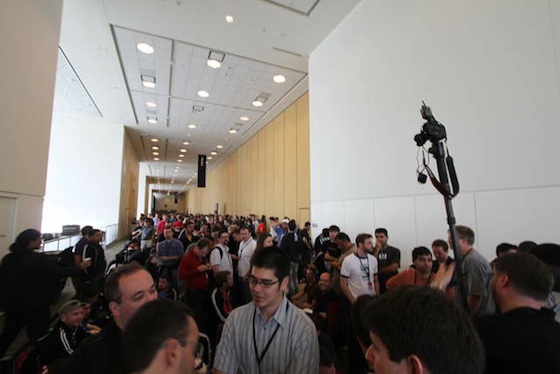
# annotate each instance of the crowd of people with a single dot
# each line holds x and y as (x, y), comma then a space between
(229, 294)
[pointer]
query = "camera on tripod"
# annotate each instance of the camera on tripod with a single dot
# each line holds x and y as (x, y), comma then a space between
(432, 130)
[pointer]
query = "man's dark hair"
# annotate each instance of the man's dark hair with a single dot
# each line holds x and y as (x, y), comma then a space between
(427, 323)
(526, 246)
(529, 276)
(342, 237)
(361, 238)
(442, 244)
(325, 232)
(272, 259)
(381, 230)
(153, 324)
(549, 253)
(203, 243)
(292, 225)
(465, 233)
(221, 277)
(86, 230)
(23, 239)
(112, 290)
(334, 228)
(420, 251)
(504, 248)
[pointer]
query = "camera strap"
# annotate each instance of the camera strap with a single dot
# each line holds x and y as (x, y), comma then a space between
(450, 194)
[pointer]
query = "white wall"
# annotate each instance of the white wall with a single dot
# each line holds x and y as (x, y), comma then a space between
(29, 44)
(490, 71)
(84, 173)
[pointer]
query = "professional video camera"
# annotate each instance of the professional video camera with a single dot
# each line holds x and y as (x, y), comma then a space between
(432, 130)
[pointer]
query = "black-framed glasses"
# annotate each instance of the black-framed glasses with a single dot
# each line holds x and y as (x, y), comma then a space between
(265, 283)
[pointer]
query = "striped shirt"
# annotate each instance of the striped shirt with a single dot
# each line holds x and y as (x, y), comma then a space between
(294, 348)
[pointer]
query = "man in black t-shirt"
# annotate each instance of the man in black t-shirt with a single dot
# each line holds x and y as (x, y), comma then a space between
(388, 258)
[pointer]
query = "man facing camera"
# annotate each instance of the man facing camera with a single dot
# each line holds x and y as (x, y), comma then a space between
(269, 335)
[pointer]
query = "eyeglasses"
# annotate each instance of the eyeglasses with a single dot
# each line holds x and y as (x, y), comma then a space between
(265, 283)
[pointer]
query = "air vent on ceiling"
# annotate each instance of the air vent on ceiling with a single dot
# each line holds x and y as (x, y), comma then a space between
(197, 108)
(304, 7)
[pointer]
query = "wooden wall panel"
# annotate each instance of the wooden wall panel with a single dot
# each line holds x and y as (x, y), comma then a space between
(268, 175)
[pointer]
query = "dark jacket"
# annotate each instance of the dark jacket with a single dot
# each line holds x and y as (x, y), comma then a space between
(98, 354)
(30, 280)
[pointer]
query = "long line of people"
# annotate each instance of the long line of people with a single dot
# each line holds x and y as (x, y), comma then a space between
(208, 263)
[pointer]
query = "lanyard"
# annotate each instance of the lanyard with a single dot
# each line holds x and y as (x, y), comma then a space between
(261, 356)
(364, 268)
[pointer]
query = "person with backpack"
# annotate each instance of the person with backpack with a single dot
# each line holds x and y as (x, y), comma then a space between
(219, 255)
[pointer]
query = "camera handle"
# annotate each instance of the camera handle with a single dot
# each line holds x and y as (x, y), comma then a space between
(438, 150)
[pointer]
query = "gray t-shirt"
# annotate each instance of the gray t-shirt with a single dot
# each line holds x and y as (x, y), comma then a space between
(477, 274)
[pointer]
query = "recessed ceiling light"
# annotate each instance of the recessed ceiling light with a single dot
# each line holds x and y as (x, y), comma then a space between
(153, 121)
(156, 159)
(148, 84)
(145, 48)
(181, 155)
(230, 19)
(154, 140)
(192, 126)
(209, 158)
(155, 147)
(213, 153)
(279, 78)
(232, 131)
(257, 103)
(183, 150)
(186, 143)
(155, 153)
(203, 93)
(151, 104)
(219, 146)
(244, 118)
(179, 160)
(214, 64)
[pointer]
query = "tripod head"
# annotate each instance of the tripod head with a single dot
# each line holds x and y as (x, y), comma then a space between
(432, 130)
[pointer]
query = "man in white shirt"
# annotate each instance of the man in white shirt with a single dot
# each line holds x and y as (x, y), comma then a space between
(358, 274)
(219, 256)
(246, 249)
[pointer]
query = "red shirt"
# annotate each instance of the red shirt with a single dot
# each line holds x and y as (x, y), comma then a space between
(194, 279)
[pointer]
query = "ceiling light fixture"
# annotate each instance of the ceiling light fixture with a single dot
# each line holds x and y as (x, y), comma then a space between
(151, 104)
(279, 78)
(183, 150)
(156, 159)
(230, 19)
(186, 143)
(192, 126)
(209, 158)
(155, 153)
(145, 48)
(219, 146)
(203, 93)
(152, 120)
(179, 160)
(215, 59)
(181, 155)
(233, 131)
(154, 140)
(155, 148)
(213, 153)
(260, 100)
(148, 81)
(244, 118)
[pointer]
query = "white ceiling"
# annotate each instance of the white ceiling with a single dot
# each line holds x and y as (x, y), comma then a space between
(101, 68)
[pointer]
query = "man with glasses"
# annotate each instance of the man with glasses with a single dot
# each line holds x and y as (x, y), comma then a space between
(269, 335)
(219, 255)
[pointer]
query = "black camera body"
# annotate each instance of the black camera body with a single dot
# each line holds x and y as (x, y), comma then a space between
(432, 130)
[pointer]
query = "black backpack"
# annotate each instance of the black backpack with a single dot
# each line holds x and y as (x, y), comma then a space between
(66, 257)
